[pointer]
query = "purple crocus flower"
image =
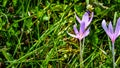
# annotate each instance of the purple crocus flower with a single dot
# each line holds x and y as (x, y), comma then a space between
(87, 18)
(113, 34)
(81, 33)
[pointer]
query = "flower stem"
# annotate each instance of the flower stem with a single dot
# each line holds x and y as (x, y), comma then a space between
(81, 56)
(113, 53)
(83, 46)
(83, 49)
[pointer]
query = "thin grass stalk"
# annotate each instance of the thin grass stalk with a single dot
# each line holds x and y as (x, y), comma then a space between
(87, 2)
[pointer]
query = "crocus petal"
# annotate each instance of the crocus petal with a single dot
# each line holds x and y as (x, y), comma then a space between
(106, 29)
(82, 28)
(75, 29)
(86, 33)
(85, 19)
(91, 17)
(104, 26)
(72, 35)
(117, 29)
(110, 27)
(78, 19)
